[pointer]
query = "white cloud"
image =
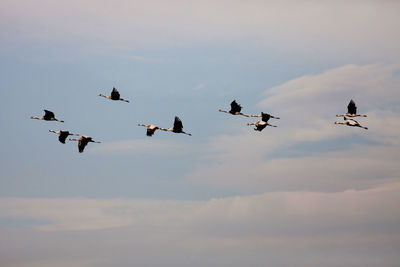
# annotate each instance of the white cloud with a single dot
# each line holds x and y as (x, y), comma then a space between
(307, 151)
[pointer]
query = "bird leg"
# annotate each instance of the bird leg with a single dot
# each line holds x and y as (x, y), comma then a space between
(366, 128)
(248, 116)
(127, 101)
(259, 116)
(220, 110)
(35, 118)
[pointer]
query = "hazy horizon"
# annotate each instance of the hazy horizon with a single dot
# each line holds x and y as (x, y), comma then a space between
(307, 193)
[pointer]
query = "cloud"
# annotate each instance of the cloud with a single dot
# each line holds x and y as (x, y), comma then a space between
(335, 27)
(307, 151)
(250, 229)
(199, 86)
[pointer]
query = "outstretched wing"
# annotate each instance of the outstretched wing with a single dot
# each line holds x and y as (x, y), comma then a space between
(82, 143)
(351, 107)
(63, 136)
(115, 94)
(260, 127)
(235, 107)
(265, 116)
(48, 114)
(150, 131)
(178, 126)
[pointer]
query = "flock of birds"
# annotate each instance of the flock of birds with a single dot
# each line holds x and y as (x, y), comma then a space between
(178, 126)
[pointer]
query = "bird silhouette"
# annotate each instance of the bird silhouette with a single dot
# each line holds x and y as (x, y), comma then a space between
(351, 111)
(235, 109)
(150, 128)
(48, 116)
(261, 124)
(177, 128)
(83, 141)
(351, 122)
(114, 95)
(62, 135)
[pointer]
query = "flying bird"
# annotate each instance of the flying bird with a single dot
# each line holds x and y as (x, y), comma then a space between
(83, 141)
(351, 122)
(177, 128)
(351, 111)
(265, 116)
(235, 109)
(48, 116)
(62, 135)
(114, 95)
(150, 128)
(261, 124)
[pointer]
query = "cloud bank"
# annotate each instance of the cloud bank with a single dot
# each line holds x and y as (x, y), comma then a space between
(357, 228)
(334, 27)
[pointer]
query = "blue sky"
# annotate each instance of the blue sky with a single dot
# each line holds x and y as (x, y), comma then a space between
(228, 194)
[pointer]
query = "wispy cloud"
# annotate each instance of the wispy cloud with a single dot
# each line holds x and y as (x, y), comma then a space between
(290, 158)
(199, 86)
(288, 25)
(259, 226)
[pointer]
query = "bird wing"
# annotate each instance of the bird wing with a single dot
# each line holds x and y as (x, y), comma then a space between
(48, 114)
(351, 107)
(178, 126)
(235, 107)
(115, 94)
(265, 116)
(82, 142)
(150, 131)
(63, 136)
(353, 120)
(260, 127)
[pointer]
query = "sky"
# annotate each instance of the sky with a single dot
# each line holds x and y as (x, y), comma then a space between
(306, 193)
